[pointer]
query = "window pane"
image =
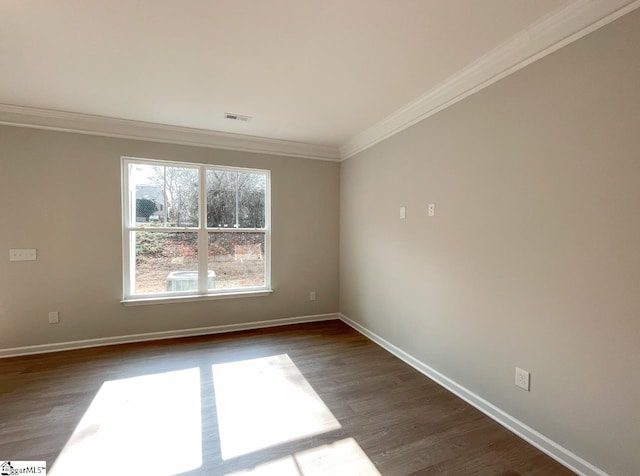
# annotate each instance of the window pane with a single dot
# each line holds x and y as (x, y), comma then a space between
(221, 198)
(146, 189)
(236, 199)
(165, 262)
(163, 196)
(181, 185)
(237, 259)
(252, 190)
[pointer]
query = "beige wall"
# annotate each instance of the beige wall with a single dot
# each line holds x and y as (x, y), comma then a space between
(60, 193)
(533, 259)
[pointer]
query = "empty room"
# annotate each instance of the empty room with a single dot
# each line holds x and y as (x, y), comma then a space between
(295, 238)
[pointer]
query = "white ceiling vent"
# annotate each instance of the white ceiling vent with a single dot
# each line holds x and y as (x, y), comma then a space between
(236, 117)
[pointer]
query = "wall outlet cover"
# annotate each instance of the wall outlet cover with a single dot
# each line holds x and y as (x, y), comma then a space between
(522, 379)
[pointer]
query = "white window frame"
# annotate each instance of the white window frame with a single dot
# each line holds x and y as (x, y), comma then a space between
(129, 226)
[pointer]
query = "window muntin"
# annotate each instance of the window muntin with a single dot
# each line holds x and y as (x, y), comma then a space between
(194, 229)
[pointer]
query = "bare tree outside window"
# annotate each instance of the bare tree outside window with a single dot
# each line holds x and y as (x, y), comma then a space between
(181, 189)
(235, 199)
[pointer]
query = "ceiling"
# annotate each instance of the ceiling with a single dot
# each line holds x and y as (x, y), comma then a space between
(323, 73)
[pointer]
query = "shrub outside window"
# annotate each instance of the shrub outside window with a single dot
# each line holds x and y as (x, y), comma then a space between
(194, 229)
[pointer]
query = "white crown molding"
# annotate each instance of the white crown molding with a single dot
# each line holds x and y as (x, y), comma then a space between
(128, 339)
(147, 131)
(524, 431)
(551, 33)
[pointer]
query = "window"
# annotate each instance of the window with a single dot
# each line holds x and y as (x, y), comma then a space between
(194, 230)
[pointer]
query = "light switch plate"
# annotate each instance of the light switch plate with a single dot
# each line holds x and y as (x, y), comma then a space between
(403, 213)
(22, 254)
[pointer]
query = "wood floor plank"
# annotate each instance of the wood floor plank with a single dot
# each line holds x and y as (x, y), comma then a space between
(387, 417)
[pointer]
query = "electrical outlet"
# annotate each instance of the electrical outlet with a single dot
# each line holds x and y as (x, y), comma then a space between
(54, 317)
(522, 379)
(312, 296)
(432, 209)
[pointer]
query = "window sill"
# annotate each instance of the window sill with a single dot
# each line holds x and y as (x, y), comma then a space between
(194, 297)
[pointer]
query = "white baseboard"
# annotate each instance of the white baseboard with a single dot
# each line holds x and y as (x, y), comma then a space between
(127, 339)
(559, 453)
(548, 446)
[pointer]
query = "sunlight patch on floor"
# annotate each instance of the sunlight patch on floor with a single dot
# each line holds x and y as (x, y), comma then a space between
(143, 425)
(344, 457)
(264, 402)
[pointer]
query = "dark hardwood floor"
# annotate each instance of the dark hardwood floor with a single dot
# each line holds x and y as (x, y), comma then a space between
(303, 399)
